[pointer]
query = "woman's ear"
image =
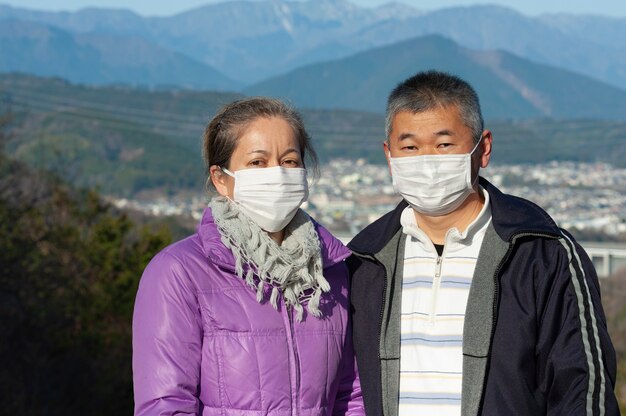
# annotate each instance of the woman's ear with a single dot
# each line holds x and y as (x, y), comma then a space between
(219, 180)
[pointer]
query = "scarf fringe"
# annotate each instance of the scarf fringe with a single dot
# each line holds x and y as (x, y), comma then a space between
(293, 269)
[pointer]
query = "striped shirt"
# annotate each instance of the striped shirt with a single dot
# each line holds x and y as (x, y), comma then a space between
(434, 297)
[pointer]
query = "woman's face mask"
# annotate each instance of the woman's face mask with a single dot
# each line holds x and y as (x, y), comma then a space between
(270, 196)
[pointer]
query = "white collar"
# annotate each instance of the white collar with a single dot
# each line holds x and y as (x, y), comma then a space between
(453, 236)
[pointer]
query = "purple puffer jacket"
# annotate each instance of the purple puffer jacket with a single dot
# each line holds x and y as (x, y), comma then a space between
(203, 345)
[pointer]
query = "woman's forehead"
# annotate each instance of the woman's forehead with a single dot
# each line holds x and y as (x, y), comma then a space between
(267, 135)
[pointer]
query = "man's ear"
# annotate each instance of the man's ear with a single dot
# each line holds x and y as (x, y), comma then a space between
(486, 145)
(218, 178)
(387, 153)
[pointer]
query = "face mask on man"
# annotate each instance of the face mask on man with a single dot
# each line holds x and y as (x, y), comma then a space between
(270, 196)
(433, 185)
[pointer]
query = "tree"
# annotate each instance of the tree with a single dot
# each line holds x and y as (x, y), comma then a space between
(69, 269)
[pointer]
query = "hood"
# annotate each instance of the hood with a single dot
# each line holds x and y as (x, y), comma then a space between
(511, 215)
(332, 250)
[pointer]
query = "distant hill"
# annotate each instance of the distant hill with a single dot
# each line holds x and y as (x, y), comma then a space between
(593, 28)
(129, 142)
(251, 41)
(121, 140)
(508, 86)
(43, 50)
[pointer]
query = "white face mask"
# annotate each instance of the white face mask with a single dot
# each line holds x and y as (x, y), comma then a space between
(433, 185)
(270, 196)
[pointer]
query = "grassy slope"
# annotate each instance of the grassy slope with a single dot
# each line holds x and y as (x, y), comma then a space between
(125, 140)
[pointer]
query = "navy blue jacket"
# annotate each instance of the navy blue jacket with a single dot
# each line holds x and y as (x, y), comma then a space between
(535, 340)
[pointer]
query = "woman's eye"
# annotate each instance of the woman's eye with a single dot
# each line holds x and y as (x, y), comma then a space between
(291, 162)
(256, 163)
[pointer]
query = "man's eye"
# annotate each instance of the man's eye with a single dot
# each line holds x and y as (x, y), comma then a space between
(410, 148)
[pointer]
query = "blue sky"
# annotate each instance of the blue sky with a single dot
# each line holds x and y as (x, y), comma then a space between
(615, 8)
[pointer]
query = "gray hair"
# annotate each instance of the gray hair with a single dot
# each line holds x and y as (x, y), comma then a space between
(431, 89)
(222, 133)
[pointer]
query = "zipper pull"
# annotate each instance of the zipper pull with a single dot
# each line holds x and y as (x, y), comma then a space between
(435, 289)
(438, 267)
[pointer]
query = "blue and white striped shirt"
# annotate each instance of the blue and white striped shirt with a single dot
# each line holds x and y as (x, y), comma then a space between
(434, 297)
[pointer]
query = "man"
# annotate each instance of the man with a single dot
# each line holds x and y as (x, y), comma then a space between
(467, 301)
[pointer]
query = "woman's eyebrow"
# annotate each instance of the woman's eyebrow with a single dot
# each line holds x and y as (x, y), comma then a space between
(290, 150)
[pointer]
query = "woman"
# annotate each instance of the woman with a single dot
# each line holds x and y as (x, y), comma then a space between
(249, 316)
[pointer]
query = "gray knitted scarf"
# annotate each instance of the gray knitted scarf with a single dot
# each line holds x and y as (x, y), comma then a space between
(293, 268)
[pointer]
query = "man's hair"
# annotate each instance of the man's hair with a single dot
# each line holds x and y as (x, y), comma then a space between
(429, 90)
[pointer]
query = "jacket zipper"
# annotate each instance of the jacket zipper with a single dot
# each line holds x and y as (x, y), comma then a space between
(496, 291)
(384, 305)
(380, 336)
(292, 356)
(296, 359)
(382, 314)
(380, 319)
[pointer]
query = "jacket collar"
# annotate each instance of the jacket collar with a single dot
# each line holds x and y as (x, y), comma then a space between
(332, 250)
(375, 236)
(510, 215)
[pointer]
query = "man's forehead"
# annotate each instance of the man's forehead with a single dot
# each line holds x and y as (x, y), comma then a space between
(448, 109)
(437, 118)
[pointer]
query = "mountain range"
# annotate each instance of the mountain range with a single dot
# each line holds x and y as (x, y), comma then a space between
(98, 58)
(251, 41)
(508, 86)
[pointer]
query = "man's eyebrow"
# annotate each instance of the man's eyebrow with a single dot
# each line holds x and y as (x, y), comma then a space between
(405, 136)
(444, 132)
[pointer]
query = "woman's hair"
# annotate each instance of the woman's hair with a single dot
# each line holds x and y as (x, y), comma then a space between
(223, 131)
